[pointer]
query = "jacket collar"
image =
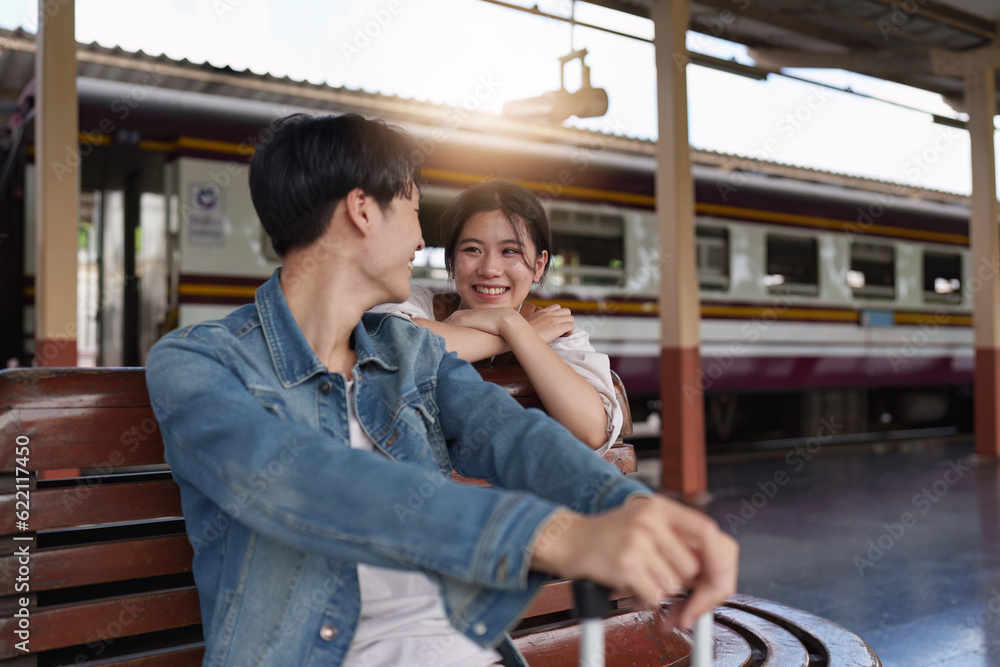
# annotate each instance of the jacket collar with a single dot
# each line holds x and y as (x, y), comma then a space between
(293, 359)
(368, 349)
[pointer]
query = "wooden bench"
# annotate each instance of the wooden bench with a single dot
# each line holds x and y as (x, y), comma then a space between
(106, 579)
(107, 576)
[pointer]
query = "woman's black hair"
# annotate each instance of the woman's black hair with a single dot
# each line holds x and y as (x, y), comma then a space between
(519, 206)
(307, 164)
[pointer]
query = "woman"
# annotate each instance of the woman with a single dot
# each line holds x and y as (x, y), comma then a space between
(497, 245)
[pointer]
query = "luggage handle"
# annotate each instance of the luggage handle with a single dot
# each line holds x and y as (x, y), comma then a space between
(593, 603)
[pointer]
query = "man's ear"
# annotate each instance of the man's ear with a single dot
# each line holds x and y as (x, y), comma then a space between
(358, 210)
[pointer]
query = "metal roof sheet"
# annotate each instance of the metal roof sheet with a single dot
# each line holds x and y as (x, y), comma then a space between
(919, 43)
(95, 61)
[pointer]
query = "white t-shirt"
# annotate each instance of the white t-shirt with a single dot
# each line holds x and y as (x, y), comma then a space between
(575, 349)
(403, 621)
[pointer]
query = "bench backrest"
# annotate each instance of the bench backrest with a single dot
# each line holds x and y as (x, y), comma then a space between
(96, 566)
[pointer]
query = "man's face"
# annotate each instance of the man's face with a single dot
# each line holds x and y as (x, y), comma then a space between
(400, 239)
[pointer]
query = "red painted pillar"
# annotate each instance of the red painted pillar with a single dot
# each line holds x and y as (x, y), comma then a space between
(682, 446)
(57, 189)
(984, 281)
(986, 407)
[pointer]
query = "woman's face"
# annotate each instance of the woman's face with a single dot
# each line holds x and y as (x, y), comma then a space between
(490, 270)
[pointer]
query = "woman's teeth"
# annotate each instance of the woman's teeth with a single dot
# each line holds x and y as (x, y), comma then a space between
(492, 291)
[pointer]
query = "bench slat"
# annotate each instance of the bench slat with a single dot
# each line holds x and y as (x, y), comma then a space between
(97, 437)
(80, 624)
(556, 596)
(84, 505)
(783, 649)
(102, 563)
(74, 387)
(631, 638)
(622, 456)
(842, 646)
(183, 657)
(729, 648)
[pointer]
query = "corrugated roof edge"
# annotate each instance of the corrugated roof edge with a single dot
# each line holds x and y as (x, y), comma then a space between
(403, 109)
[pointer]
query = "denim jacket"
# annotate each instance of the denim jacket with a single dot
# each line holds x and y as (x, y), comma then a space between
(279, 508)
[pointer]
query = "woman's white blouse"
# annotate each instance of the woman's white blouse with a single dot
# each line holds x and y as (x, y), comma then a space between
(575, 349)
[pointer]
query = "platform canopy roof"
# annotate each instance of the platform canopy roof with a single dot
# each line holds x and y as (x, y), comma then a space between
(926, 44)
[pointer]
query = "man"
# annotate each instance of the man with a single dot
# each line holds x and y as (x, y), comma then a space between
(313, 444)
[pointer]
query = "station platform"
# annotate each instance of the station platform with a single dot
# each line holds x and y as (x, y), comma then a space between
(898, 542)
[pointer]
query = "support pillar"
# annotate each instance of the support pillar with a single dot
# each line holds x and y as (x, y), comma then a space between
(57, 191)
(682, 445)
(984, 233)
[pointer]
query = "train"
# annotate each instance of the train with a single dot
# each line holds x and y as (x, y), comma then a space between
(825, 299)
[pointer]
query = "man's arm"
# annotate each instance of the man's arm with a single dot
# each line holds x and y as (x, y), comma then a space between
(310, 490)
(611, 530)
(651, 547)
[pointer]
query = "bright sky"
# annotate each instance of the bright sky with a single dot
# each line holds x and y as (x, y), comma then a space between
(440, 50)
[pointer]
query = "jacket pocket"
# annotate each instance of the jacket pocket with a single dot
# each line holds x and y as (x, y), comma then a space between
(270, 399)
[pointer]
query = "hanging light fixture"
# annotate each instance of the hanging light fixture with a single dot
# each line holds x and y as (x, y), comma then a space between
(557, 106)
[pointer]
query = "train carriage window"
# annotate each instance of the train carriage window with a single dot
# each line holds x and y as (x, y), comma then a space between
(429, 262)
(429, 214)
(792, 265)
(712, 257)
(873, 271)
(942, 277)
(587, 248)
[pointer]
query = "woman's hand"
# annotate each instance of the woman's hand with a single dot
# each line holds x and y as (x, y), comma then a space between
(566, 395)
(487, 320)
(551, 322)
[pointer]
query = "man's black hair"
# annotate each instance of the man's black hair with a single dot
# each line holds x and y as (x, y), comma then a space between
(308, 164)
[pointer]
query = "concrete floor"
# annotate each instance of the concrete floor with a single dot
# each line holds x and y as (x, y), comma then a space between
(898, 543)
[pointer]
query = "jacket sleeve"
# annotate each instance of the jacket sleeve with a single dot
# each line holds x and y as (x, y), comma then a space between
(491, 437)
(302, 487)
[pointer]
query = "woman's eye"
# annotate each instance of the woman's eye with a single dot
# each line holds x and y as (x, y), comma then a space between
(511, 251)
(470, 249)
